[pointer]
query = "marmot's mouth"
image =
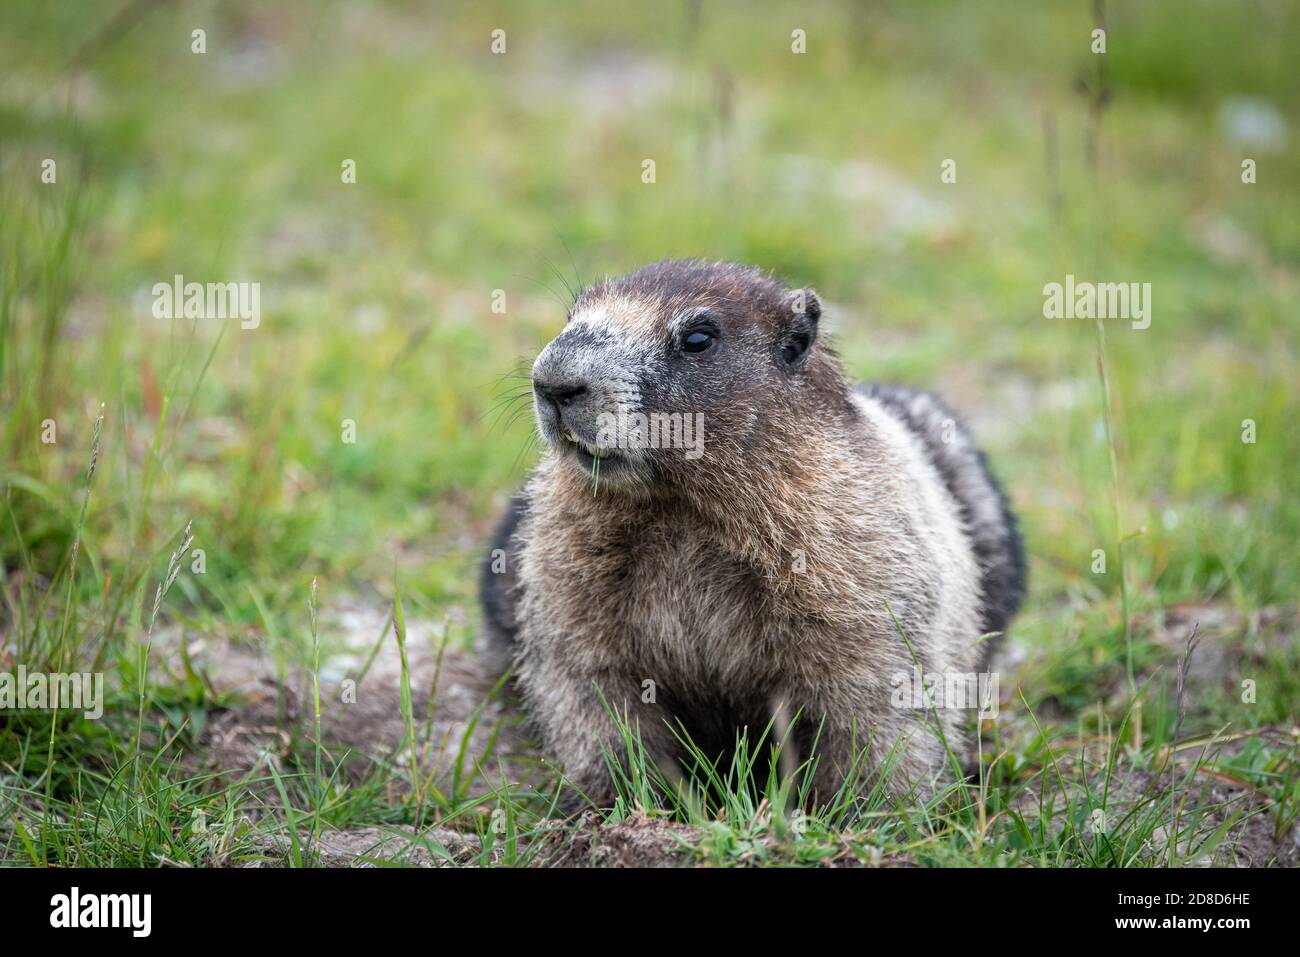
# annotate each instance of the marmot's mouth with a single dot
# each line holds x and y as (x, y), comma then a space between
(587, 453)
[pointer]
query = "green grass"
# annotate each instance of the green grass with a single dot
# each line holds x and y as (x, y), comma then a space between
(522, 173)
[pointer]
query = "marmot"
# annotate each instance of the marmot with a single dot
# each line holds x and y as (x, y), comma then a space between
(827, 540)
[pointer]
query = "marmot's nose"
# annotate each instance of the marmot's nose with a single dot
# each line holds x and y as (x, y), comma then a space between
(561, 393)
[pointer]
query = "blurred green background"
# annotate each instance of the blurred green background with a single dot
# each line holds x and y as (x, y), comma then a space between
(522, 172)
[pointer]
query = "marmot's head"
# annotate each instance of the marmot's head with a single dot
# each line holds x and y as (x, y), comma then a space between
(680, 370)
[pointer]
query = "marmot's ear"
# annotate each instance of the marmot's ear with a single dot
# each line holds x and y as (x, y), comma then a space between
(804, 302)
(801, 330)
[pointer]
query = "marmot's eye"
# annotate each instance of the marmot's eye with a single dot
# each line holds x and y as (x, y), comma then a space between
(697, 341)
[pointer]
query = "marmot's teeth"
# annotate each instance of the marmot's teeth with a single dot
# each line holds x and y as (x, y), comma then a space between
(569, 434)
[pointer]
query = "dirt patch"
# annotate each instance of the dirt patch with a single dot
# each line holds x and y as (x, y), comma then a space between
(1219, 819)
(468, 735)
(371, 846)
(641, 841)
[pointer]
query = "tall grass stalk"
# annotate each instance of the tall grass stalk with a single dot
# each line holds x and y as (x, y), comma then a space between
(315, 688)
(173, 569)
(315, 671)
(1117, 499)
(62, 656)
(406, 704)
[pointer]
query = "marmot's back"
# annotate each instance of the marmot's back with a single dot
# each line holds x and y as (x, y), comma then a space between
(991, 524)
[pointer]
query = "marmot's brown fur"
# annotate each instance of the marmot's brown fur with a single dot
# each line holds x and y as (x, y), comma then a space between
(784, 565)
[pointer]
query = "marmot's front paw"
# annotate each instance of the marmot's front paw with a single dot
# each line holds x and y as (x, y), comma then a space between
(576, 798)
